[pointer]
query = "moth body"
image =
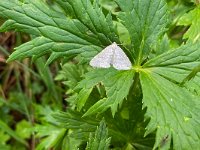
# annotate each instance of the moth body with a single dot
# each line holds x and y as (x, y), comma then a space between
(112, 55)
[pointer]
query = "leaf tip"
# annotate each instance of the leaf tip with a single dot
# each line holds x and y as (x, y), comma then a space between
(9, 59)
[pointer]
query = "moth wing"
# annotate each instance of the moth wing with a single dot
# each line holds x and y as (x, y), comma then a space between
(120, 60)
(103, 59)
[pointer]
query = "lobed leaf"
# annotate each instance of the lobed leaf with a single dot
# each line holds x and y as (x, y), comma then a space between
(177, 64)
(181, 57)
(74, 121)
(100, 141)
(53, 137)
(145, 21)
(173, 111)
(80, 127)
(92, 17)
(56, 33)
(117, 85)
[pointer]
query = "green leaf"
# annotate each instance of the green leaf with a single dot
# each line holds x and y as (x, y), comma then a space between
(191, 19)
(70, 74)
(117, 88)
(92, 17)
(5, 147)
(80, 127)
(175, 65)
(95, 76)
(163, 45)
(145, 21)
(4, 127)
(192, 80)
(184, 56)
(3, 138)
(56, 33)
(73, 120)
(117, 85)
(109, 5)
(173, 109)
(24, 129)
(100, 141)
(123, 33)
(52, 136)
(192, 74)
(173, 112)
(82, 97)
(86, 85)
(121, 130)
(47, 78)
(70, 143)
(193, 84)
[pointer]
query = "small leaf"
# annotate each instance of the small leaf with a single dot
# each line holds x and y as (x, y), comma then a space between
(191, 75)
(3, 138)
(193, 85)
(82, 97)
(52, 136)
(24, 129)
(191, 19)
(4, 127)
(71, 74)
(100, 141)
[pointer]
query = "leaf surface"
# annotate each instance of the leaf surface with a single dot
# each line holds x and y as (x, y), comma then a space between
(191, 19)
(100, 141)
(175, 65)
(56, 33)
(173, 109)
(74, 121)
(116, 83)
(145, 21)
(91, 16)
(7, 129)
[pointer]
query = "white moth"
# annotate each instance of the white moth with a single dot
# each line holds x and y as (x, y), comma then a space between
(111, 55)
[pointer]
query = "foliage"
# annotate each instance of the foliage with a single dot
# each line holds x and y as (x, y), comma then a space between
(191, 18)
(100, 141)
(154, 105)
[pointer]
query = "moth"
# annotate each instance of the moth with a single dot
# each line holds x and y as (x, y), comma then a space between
(112, 55)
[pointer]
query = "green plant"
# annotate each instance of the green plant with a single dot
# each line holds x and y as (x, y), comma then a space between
(153, 105)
